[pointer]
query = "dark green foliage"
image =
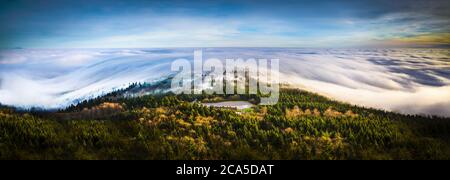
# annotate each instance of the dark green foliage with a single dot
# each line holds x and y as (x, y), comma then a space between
(302, 125)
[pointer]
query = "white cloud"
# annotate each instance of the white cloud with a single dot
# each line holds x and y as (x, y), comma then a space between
(405, 80)
(11, 58)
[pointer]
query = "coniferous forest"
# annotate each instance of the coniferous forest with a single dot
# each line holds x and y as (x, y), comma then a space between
(302, 125)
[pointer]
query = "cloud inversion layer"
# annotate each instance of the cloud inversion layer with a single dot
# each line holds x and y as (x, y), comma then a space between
(406, 80)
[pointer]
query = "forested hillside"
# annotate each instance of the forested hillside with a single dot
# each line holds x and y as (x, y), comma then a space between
(302, 125)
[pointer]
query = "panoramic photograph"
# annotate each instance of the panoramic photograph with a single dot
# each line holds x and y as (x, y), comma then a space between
(225, 80)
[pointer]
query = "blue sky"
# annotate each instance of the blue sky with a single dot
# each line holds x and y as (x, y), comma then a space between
(257, 23)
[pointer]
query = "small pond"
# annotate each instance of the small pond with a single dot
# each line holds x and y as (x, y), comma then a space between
(231, 104)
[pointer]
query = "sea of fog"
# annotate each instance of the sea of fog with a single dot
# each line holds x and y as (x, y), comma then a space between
(415, 81)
